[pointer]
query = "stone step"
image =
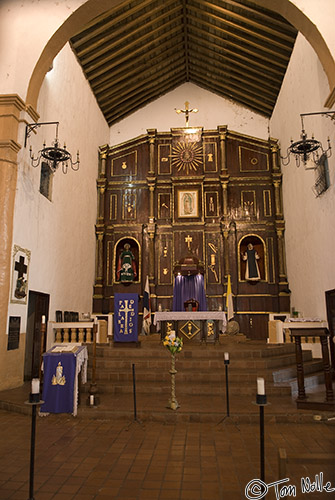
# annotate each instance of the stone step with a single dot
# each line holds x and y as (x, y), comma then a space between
(189, 375)
(183, 387)
(202, 364)
(290, 372)
(196, 352)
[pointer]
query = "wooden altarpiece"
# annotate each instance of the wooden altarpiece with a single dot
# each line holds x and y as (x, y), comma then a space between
(214, 193)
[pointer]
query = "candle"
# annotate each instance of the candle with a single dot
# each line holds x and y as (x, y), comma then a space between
(260, 386)
(159, 307)
(35, 386)
(95, 320)
(172, 335)
(226, 356)
(43, 320)
(92, 399)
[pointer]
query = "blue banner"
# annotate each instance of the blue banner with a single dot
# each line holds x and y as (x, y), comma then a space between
(58, 382)
(125, 317)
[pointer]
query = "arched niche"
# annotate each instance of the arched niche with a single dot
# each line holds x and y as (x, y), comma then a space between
(259, 246)
(135, 249)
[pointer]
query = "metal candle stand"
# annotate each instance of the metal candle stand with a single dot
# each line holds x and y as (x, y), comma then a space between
(226, 362)
(261, 401)
(34, 401)
(93, 399)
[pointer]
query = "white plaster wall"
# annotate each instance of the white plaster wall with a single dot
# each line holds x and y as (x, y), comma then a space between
(320, 12)
(213, 111)
(60, 233)
(310, 221)
(25, 28)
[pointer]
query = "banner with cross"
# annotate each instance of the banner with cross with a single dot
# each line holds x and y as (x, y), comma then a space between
(20, 270)
(125, 317)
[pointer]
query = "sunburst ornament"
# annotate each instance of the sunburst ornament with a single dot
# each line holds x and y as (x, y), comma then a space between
(186, 156)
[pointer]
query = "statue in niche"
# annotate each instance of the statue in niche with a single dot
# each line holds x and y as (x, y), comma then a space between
(251, 257)
(126, 268)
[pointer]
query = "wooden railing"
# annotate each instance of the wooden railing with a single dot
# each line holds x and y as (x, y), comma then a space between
(302, 400)
(67, 332)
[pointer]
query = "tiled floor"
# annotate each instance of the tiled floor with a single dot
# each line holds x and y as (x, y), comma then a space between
(84, 459)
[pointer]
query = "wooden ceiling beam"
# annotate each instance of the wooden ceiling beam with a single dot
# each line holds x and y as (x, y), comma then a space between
(133, 81)
(228, 28)
(116, 58)
(131, 92)
(240, 90)
(208, 85)
(226, 64)
(143, 101)
(265, 16)
(120, 36)
(93, 30)
(258, 25)
(225, 50)
(223, 42)
(243, 81)
(128, 45)
(146, 61)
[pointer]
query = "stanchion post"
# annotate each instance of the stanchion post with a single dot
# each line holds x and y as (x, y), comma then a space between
(134, 393)
(43, 344)
(34, 401)
(226, 362)
(261, 401)
(93, 398)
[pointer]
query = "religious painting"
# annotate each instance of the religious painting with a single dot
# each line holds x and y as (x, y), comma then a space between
(20, 270)
(188, 203)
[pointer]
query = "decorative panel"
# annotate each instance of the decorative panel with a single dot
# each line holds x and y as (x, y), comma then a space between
(211, 204)
(213, 258)
(188, 240)
(165, 260)
(252, 160)
(271, 260)
(164, 159)
(210, 157)
(129, 206)
(164, 206)
(248, 202)
(267, 203)
(125, 165)
(113, 207)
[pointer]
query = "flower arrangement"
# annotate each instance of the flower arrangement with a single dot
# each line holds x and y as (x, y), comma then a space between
(173, 343)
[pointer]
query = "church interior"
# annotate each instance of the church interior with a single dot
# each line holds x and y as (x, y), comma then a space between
(167, 173)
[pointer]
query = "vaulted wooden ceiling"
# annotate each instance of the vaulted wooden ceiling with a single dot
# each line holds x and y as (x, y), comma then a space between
(142, 49)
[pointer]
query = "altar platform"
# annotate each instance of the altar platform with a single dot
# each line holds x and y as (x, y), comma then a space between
(200, 383)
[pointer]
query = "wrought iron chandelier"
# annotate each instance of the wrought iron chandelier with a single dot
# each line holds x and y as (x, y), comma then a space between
(53, 155)
(306, 149)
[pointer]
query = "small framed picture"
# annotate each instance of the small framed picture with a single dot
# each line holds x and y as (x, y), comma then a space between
(188, 203)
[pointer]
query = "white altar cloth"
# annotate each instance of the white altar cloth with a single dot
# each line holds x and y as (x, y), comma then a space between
(190, 315)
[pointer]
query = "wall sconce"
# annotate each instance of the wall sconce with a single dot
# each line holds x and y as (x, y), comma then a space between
(53, 155)
(306, 148)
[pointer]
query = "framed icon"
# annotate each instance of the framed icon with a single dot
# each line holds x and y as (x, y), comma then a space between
(188, 203)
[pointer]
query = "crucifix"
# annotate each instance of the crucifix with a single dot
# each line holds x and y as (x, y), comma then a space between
(188, 240)
(21, 267)
(187, 112)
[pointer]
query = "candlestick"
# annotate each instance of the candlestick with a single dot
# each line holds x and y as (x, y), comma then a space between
(260, 386)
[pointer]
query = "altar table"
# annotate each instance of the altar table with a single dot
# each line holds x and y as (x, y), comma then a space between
(61, 367)
(218, 316)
